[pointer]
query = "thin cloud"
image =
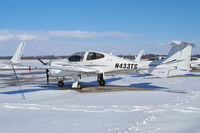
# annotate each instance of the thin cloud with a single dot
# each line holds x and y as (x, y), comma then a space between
(86, 34)
(6, 37)
(27, 37)
(162, 44)
(65, 34)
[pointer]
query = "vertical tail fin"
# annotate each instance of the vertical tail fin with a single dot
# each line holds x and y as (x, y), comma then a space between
(177, 61)
(18, 54)
(181, 51)
(138, 58)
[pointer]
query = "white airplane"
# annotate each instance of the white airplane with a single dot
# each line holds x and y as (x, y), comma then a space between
(176, 63)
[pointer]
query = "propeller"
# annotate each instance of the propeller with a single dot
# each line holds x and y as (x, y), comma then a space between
(18, 83)
(47, 70)
(47, 75)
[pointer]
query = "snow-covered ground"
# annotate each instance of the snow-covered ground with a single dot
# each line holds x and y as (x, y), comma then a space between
(170, 106)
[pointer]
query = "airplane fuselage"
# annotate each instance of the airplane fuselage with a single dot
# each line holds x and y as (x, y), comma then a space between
(105, 63)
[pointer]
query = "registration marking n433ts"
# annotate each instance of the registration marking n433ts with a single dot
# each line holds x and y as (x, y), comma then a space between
(126, 66)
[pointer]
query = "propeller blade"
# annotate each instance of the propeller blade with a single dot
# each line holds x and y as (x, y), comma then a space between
(18, 83)
(42, 61)
(47, 75)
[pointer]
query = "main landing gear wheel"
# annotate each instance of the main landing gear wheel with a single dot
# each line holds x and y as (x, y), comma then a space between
(101, 83)
(60, 83)
(100, 80)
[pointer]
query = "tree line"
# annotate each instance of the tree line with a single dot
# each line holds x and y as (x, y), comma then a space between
(145, 56)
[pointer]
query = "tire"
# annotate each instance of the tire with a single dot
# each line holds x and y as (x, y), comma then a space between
(100, 79)
(101, 83)
(60, 83)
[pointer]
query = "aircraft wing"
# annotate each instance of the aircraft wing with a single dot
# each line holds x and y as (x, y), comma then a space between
(72, 68)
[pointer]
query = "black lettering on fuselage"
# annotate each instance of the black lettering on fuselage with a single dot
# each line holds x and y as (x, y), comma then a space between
(116, 65)
(126, 66)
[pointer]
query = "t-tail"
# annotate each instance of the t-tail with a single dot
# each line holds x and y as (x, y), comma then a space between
(18, 54)
(177, 61)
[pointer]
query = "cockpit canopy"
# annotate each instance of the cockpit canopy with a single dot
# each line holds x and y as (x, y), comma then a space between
(157, 58)
(77, 57)
(94, 56)
(194, 59)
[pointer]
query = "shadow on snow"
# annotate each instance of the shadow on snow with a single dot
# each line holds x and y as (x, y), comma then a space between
(53, 86)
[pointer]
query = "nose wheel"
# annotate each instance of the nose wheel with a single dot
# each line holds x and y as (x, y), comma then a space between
(60, 83)
(100, 80)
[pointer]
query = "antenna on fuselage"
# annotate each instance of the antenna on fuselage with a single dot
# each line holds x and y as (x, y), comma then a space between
(111, 53)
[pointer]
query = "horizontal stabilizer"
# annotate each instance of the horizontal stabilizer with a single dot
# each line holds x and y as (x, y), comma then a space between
(181, 43)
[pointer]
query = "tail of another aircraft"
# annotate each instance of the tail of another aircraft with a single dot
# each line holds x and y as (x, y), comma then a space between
(177, 61)
(18, 54)
(138, 58)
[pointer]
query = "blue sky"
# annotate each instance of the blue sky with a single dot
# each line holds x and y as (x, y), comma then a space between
(62, 27)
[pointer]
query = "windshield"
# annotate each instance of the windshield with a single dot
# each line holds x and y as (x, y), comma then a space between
(77, 57)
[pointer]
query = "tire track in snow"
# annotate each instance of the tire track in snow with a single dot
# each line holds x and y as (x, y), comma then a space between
(78, 108)
(106, 109)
